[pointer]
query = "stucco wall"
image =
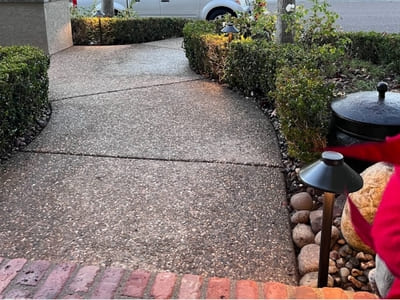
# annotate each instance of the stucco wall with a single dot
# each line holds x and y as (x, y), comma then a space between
(42, 23)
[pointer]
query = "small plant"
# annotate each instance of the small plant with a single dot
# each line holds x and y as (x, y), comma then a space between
(316, 26)
(128, 12)
(84, 12)
(261, 27)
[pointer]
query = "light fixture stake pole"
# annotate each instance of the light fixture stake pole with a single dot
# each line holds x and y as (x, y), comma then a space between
(326, 231)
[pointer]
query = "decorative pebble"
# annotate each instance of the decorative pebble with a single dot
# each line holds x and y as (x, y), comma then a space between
(369, 256)
(361, 256)
(301, 201)
(310, 190)
(350, 289)
(334, 255)
(311, 280)
(316, 220)
(344, 273)
(301, 216)
(354, 261)
(345, 250)
(356, 272)
(302, 235)
(348, 265)
(340, 262)
(368, 265)
(338, 280)
(335, 233)
(332, 269)
(336, 222)
(362, 278)
(354, 281)
(341, 241)
(308, 259)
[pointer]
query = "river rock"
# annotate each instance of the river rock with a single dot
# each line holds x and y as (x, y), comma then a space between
(311, 280)
(308, 259)
(335, 234)
(344, 273)
(368, 265)
(355, 282)
(302, 235)
(301, 201)
(316, 220)
(332, 269)
(356, 272)
(383, 277)
(367, 201)
(301, 216)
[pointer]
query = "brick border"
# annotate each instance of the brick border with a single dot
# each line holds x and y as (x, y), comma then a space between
(20, 278)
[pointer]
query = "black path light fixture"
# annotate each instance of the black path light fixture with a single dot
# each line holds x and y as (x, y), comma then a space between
(333, 176)
(99, 14)
(230, 29)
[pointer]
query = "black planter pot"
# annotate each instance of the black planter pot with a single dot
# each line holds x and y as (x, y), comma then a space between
(364, 117)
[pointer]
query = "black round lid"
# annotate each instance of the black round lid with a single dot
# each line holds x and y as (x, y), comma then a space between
(369, 115)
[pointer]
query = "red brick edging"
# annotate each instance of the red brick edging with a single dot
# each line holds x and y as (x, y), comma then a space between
(20, 278)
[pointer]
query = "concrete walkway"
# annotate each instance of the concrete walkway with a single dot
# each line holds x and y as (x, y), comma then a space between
(145, 165)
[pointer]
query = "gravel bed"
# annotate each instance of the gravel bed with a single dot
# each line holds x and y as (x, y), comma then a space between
(349, 269)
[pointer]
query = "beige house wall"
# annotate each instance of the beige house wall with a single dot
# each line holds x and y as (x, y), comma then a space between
(41, 23)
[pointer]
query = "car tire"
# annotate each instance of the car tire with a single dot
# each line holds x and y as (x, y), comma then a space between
(218, 13)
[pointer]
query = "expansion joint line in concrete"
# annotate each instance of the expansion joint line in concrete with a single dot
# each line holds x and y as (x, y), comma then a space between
(127, 89)
(264, 165)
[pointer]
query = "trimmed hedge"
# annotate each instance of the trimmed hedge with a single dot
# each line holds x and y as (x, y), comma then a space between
(195, 46)
(251, 66)
(378, 48)
(302, 99)
(24, 91)
(118, 31)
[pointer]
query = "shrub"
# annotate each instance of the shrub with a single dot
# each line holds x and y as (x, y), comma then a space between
(86, 31)
(195, 49)
(251, 66)
(24, 91)
(378, 48)
(302, 103)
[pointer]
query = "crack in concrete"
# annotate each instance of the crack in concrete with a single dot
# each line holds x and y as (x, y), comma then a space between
(154, 158)
(126, 89)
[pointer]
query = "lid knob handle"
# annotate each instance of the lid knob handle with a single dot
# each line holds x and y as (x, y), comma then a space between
(382, 88)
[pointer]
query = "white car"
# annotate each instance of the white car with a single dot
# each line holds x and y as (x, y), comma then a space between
(194, 9)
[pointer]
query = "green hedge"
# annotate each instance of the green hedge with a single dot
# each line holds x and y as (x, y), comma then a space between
(251, 66)
(195, 46)
(378, 48)
(302, 99)
(117, 31)
(24, 91)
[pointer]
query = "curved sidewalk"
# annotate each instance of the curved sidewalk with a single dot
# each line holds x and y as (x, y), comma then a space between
(145, 165)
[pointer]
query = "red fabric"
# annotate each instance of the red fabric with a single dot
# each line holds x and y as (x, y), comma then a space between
(384, 233)
(388, 151)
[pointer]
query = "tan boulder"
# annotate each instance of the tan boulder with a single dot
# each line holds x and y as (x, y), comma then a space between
(367, 201)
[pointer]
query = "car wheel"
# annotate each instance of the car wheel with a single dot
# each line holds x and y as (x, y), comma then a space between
(219, 13)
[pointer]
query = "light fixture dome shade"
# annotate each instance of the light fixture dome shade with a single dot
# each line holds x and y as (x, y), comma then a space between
(230, 28)
(331, 174)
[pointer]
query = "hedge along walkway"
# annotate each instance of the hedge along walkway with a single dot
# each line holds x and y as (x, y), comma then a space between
(42, 279)
(144, 165)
